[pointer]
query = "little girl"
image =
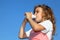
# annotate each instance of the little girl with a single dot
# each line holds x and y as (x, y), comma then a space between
(42, 27)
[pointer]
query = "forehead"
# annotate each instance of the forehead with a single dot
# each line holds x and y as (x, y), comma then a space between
(38, 9)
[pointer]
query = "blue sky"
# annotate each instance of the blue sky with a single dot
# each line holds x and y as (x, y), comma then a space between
(12, 15)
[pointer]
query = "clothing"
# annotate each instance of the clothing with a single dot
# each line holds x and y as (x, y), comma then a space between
(41, 35)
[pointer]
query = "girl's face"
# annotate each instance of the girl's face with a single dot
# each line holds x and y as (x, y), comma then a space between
(38, 13)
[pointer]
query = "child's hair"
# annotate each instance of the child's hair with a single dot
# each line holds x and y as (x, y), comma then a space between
(48, 15)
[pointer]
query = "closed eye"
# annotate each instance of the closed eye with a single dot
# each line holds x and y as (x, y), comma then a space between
(37, 11)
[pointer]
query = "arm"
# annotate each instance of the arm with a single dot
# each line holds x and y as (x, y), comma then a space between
(22, 33)
(36, 27)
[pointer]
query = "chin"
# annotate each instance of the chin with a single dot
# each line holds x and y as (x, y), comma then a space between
(37, 20)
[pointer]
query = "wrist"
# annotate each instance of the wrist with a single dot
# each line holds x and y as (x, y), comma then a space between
(25, 20)
(29, 19)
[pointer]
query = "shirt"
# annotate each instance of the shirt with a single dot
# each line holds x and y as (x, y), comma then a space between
(44, 34)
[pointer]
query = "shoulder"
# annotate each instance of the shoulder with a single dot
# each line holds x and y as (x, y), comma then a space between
(47, 24)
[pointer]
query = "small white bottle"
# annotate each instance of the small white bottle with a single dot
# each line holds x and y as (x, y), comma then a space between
(33, 16)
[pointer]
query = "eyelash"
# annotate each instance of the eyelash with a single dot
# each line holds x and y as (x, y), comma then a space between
(37, 11)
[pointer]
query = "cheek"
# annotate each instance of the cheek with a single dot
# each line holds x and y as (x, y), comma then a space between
(39, 17)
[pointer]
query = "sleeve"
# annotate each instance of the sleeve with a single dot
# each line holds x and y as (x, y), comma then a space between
(47, 24)
(28, 33)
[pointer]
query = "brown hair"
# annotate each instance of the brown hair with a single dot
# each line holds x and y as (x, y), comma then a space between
(48, 14)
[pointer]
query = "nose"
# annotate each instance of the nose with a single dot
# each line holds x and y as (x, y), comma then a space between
(35, 14)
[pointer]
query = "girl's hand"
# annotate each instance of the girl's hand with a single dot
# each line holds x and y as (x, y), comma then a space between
(25, 20)
(29, 15)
